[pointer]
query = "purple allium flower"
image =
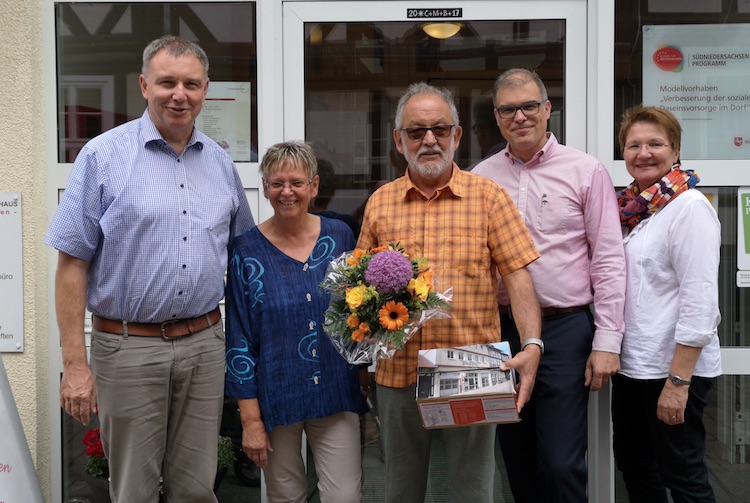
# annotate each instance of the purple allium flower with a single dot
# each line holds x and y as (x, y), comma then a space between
(389, 271)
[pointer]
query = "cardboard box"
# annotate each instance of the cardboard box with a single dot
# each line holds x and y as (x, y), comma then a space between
(464, 386)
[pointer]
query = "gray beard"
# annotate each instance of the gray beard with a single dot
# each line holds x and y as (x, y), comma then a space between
(431, 170)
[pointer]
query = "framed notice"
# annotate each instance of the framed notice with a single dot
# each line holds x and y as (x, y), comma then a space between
(225, 118)
(11, 274)
(700, 73)
(743, 237)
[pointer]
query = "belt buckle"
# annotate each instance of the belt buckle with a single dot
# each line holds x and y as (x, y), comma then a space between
(164, 329)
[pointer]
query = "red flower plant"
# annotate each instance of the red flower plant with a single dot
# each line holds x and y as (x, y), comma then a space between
(96, 464)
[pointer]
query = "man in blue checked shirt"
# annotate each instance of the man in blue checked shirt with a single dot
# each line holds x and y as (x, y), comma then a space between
(142, 232)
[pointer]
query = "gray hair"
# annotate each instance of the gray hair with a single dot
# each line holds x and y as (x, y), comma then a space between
(175, 46)
(517, 77)
(424, 88)
(297, 152)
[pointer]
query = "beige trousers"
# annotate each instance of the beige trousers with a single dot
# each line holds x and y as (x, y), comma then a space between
(160, 405)
(334, 441)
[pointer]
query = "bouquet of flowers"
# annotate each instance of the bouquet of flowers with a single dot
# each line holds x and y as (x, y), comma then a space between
(379, 298)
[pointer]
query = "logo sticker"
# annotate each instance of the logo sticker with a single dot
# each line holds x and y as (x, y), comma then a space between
(668, 58)
(738, 141)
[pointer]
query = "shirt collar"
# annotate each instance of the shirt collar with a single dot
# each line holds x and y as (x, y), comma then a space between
(455, 184)
(151, 135)
(539, 157)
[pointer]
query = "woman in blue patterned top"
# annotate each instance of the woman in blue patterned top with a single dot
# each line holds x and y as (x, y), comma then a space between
(281, 366)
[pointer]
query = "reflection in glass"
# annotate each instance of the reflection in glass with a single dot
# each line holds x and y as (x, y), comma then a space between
(99, 50)
(356, 72)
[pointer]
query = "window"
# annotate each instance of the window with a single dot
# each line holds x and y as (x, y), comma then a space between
(99, 58)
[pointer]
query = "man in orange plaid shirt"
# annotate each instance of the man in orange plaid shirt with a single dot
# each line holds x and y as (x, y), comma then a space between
(468, 228)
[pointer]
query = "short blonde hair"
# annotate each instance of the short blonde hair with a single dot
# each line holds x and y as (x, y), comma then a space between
(297, 152)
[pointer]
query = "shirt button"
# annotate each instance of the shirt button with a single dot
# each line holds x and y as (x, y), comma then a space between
(309, 297)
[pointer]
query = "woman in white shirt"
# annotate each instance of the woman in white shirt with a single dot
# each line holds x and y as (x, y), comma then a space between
(670, 350)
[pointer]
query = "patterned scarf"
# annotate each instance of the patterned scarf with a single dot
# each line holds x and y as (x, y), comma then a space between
(636, 206)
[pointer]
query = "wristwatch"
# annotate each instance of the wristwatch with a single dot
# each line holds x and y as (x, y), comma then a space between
(533, 340)
(679, 381)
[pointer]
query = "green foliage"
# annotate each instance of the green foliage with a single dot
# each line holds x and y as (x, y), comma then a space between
(226, 453)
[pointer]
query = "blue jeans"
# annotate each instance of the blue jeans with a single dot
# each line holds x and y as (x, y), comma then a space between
(545, 454)
(653, 455)
(469, 451)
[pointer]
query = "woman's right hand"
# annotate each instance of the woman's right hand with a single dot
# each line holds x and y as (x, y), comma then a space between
(255, 442)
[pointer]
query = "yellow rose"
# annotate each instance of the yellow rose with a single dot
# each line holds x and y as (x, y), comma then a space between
(419, 288)
(427, 278)
(355, 297)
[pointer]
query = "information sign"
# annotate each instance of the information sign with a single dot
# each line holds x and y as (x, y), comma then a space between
(11, 273)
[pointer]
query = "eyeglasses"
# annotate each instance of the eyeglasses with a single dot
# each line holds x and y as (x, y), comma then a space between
(528, 108)
(439, 131)
(651, 147)
(293, 185)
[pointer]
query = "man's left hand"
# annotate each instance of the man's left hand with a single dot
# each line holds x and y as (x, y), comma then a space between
(599, 367)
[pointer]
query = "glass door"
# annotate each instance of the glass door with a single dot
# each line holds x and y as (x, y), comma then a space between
(346, 65)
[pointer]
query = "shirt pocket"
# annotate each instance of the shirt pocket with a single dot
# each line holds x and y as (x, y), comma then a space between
(554, 214)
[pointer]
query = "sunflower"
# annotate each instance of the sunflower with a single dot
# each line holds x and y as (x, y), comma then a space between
(393, 315)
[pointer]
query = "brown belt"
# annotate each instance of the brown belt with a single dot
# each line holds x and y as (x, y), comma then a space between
(166, 330)
(547, 311)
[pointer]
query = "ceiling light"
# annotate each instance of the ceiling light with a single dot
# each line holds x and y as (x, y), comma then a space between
(441, 30)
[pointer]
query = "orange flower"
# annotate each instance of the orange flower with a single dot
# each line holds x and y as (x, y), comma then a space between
(358, 336)
(355, 257)
(393, 315)
(352, 321)
(378, 249)
(427, 277)
(364, 328)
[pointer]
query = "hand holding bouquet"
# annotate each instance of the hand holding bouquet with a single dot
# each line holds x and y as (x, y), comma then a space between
(379, 299)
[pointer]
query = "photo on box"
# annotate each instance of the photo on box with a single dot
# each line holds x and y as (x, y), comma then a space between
(462, 386)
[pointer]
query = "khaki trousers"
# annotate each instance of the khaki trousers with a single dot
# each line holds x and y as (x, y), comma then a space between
(335, 444)
(160, 406)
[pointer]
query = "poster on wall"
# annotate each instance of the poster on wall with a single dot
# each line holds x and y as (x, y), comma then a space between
(700, 74)
(225, 118)
(743, 237)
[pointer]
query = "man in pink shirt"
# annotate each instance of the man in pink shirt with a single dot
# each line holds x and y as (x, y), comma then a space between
(568, 203)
